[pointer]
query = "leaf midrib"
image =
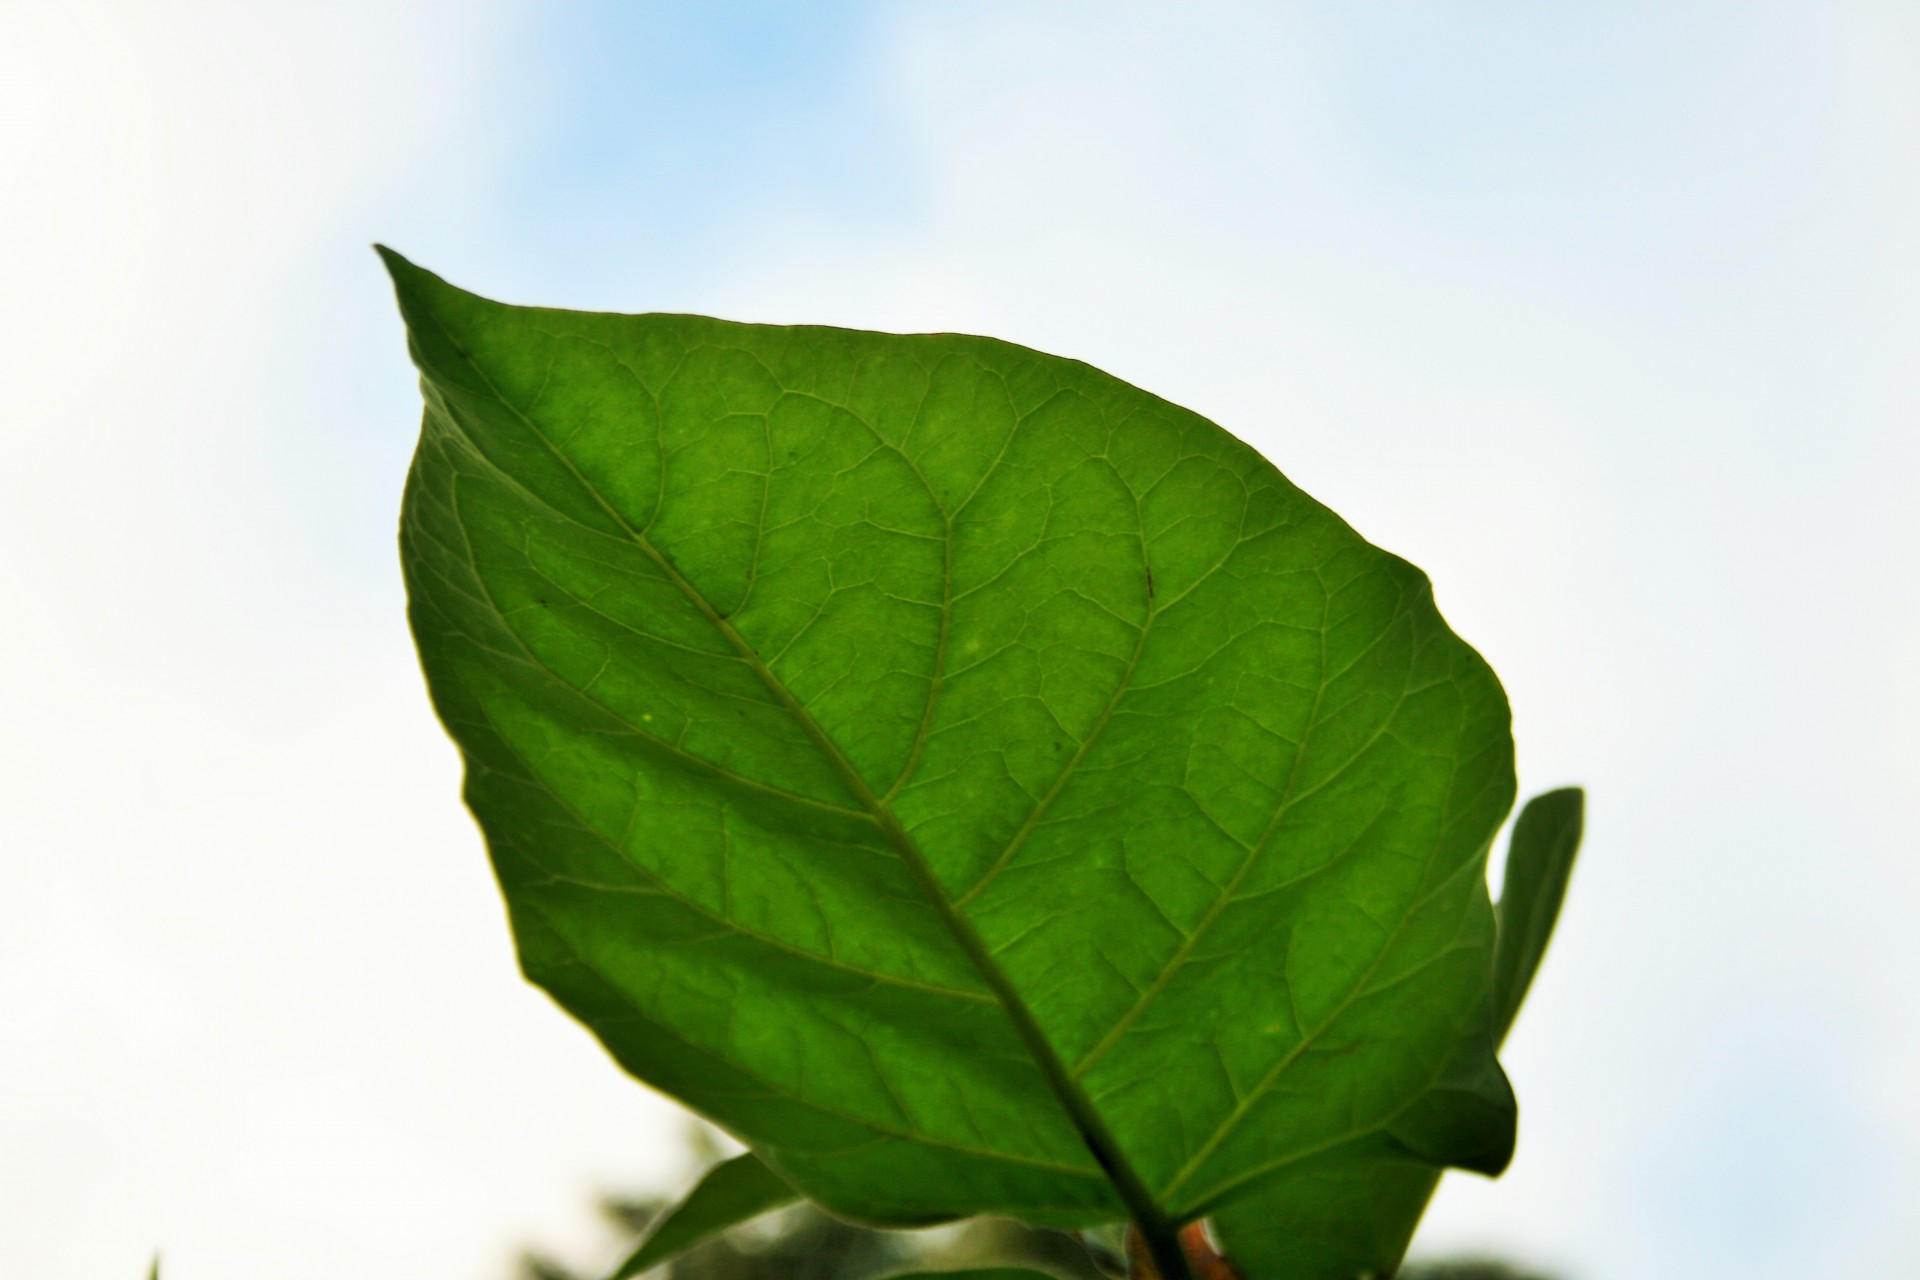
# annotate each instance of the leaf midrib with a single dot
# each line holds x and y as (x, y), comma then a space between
(654, 740)
(1093, 1130)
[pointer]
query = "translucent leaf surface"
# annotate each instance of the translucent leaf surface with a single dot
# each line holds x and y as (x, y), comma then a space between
(1350, 1215)
(977, 783)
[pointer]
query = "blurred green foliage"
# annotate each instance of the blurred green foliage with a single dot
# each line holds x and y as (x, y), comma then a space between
(803, 1243)
(1469, 1269)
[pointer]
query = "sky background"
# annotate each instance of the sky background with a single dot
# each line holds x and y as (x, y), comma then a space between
(1606, 315)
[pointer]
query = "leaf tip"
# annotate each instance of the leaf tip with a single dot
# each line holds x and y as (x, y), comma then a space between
(407, 278)
(430, 307)
(1563, 808)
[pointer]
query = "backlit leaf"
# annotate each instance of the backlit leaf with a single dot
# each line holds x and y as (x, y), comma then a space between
(978, 784)
(1352, 1214)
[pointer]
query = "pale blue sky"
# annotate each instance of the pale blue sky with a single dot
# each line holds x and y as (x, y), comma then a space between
(1604, 315)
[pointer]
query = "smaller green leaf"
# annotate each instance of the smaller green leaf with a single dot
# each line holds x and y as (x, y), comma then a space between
(153, 1272)
(1540, 856)
(732, 1192)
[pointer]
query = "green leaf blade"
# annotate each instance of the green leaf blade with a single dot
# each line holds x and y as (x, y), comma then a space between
(925, 756)
(1346, 1217)
(733, 1192)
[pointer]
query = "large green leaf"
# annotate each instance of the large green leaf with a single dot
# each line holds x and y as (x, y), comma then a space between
(732, 1192)
(1351, 1214)
(978, 784)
